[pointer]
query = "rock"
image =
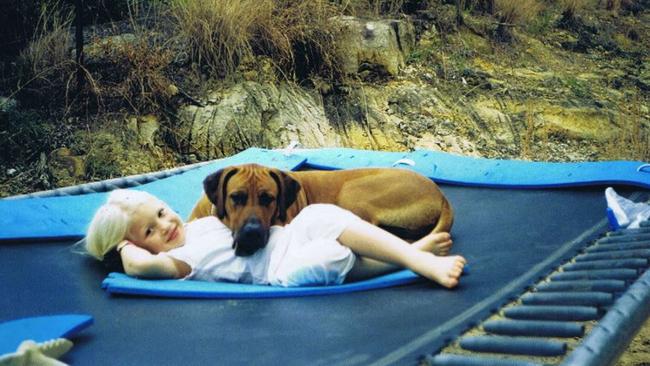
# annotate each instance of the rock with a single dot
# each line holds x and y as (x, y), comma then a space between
(65, 168)
(383, 43)
(7, 104)
(145, 128)
(253, 114)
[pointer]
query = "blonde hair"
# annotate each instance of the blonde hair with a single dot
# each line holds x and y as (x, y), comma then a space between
(111, 221)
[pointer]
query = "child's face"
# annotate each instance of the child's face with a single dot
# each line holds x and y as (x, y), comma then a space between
(155, 227)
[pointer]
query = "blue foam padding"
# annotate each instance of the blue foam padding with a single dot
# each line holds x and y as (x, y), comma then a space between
(40, 329)
(68, 216)
(119, 283)
(455, 169)
(481, 172)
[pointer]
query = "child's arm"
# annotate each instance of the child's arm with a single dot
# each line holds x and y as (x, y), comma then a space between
(139, 262)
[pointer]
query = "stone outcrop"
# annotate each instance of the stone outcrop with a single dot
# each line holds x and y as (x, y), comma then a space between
(253, 114)
(366, 44)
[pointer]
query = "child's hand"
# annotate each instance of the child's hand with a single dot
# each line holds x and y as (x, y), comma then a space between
(139, 262)
(122, 244)
(128, 249)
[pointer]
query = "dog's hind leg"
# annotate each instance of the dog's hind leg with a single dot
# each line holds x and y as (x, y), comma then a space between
(446, 218)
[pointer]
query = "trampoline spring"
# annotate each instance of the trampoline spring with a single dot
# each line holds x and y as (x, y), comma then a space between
(596, 274)
(641, 230)
(552, 312)
(591, 285)
(464, 360)
(534, 328)
(85, 190)
(618, 246)
(592, 298)
(513, 345)
(633, 253)
(623, 238)
(131, 183)
(633, 263)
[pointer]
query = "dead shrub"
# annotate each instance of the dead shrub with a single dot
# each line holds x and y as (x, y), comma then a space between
(511, 14)
(300, 37)
(373, 8)
(632, 141)
(218, 32)
(296, 35)
(570, 10)
(131, 73)
(613, 5)
(46, 66)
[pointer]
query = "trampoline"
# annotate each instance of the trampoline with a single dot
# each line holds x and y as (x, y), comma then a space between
(518, 224)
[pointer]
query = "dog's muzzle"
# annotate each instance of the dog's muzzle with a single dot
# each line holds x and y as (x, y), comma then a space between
(251, 237)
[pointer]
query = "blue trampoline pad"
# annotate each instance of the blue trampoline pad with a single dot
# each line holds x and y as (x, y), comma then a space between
(119, 283)
(40, 329)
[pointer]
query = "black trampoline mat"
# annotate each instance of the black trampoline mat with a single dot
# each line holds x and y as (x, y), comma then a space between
(504, 234)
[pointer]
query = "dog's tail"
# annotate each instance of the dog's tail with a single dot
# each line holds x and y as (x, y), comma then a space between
(446, 218)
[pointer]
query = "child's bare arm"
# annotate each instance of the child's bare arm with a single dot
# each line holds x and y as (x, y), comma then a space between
(141, 263)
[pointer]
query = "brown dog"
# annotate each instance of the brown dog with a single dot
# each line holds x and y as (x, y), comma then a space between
(250, 198)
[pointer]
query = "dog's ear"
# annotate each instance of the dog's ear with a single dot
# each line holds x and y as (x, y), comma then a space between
(288, 189)
(214, 186)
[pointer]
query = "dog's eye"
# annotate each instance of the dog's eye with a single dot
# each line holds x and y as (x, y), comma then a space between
(238, 198)
(266, 199)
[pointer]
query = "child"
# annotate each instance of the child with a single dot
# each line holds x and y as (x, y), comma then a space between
(316, 248)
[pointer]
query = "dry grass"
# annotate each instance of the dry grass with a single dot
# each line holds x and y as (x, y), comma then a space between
(223, 33)
(572, 6)
(633, 140)
(570, 10)
(299, 37)
(373, 8)
(613, 5)
(218, 32)
(514, 13)
(528, 136)
(46, 66)
(141, 69)
(517, 12)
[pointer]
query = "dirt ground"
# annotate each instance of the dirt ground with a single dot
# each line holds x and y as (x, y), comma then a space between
(638, 353)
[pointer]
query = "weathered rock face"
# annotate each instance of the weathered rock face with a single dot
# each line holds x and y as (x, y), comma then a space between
(252, 114)
(263, 115)
(65, 168)
(145, 128)
(365, 44)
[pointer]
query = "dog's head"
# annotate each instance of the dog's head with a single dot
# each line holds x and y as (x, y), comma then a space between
(249, 199)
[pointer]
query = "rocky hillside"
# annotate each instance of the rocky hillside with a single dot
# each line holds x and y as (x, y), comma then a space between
(551, 85)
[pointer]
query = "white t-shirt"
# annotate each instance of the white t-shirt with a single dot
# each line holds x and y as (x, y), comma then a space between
(305, 252)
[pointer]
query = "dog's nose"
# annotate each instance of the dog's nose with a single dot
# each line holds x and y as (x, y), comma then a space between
(251, 237)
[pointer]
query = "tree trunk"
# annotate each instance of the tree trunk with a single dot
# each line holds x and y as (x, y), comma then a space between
(79, 43)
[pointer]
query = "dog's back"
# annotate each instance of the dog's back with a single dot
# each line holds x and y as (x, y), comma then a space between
(402, 201)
